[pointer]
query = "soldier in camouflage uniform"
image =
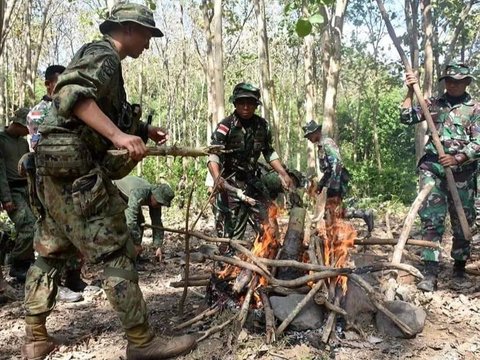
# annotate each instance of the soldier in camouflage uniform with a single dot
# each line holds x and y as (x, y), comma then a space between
(73, 282)
(248, 136)
(139, 192)
(335, 175)
(82, 209)
(14, 193)
(457, 120)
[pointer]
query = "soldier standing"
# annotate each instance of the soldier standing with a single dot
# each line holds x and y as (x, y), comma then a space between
(139, 192)
(73, 282)
(14, 193)
(246, 136)
(335, 175)
(457, 120)
(83, 210)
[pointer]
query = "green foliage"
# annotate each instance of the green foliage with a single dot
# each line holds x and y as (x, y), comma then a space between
(303, 27)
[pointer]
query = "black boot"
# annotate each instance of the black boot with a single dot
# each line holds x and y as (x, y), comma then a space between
(368, 218)
(430, 273)
(74, 282)
(458, 275)
(19, 269)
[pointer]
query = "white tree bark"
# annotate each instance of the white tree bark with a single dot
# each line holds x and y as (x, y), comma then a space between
(219, 113)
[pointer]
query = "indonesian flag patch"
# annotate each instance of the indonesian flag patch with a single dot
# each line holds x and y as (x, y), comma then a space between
(222, 129)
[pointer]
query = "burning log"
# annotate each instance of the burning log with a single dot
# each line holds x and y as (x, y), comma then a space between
(293, 248)
(242, 280)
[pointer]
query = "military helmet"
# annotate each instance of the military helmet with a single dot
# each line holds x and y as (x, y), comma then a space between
(310, 128)
(457, 72)
(245, 90)
(163, 194)
(20, 116)
(130, 12)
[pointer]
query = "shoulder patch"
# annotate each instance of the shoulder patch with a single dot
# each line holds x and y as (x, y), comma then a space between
(108, 68)
(223, 129)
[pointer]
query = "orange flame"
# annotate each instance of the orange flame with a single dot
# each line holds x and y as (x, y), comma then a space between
(340, 236)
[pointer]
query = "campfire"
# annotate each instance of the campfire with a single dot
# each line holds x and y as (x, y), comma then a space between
(309, 262)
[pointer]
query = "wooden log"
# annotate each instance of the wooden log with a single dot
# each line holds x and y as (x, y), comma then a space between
(242, 316)
(281, 290)
(330, 324)
(242, 280)
(293, 248)
(380, 241)
(269, 318)
(187, 253)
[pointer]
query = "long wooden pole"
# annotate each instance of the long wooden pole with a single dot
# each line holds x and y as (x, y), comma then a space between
(436, 139)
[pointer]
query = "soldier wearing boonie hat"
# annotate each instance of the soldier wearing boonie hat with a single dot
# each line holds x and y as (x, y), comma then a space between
(457, 119)
(83, 210)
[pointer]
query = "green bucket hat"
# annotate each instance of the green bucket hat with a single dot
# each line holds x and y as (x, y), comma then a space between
(163, 194)
(20, 116)
(310, 128)
(457, 72)
(130, 12)
(245, 90)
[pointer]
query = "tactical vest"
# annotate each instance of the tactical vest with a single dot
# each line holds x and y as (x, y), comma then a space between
(247, 144)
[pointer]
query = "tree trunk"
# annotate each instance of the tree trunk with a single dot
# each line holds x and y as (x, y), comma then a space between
(219, 113)
(330, 100)
(266, 84)
(309, 61)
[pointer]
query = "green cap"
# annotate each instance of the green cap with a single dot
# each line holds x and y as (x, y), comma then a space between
(457, 72)
(163, 194)
(245, 90)
(130, 12)
(310, 128)
(20, 116)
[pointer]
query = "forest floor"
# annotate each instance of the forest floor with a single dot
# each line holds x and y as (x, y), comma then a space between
(91, 330)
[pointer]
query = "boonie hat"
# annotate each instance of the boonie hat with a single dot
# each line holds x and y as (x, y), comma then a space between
(20, 116)
(457, 72)
(245, 90)
(163, 194)
(130, 12)
(310, 128)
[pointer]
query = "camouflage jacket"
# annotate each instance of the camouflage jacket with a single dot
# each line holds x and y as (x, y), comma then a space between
(11, 150)
(246, 144)
(95, 72)
(458, 127)
(137, 191)
(330, 163)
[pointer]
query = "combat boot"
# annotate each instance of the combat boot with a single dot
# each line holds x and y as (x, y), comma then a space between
(38, 344)
(458, 274)
(64, 294)
(365, 215)
(74, 282)
(142, 345)
(430, 273)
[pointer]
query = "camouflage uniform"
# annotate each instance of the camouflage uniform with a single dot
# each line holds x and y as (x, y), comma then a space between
(335, 176)
(241, 170)
(84, 211)
(458, 127)
(137, 192)
(14, 188)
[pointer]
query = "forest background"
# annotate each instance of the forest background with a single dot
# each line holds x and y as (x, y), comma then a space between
(328, 60)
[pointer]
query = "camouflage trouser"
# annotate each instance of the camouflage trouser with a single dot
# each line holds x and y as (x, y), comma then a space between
(233, 215)
(434, 211)
(24, 221)
(101, 236)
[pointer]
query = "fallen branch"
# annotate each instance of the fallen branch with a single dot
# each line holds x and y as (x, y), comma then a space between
(269, 319)
(322, 300)
(242, 316)
(183, 283)
(217, 328)
(330, 324)
(182, 151)
(298, 308)
(205, 314)
(415, 242)
(369, 290)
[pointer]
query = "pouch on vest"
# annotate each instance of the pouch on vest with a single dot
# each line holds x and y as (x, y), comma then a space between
(62, 155)
(89, 194)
